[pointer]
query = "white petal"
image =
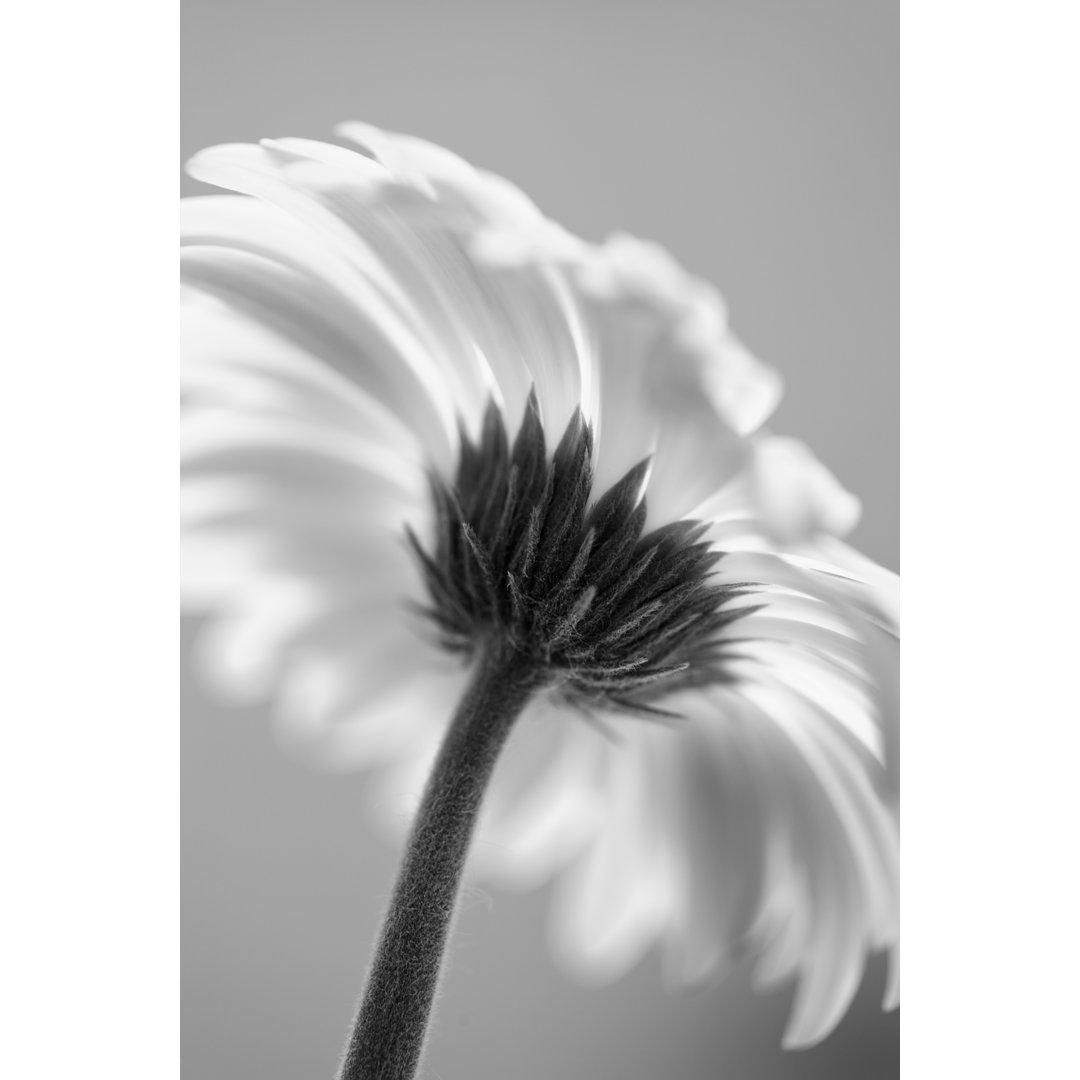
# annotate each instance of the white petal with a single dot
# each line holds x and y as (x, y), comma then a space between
(621, 894)
(817, 639)
(865, 595)
(795, 496)
(844, 564)
(803, 805)
(720, 830)
(670, 380)
(742, 389)
(240, 653)
(312, 320)
(651, 403)
(838, 692)
(444, 174)
(389, 711)
(543, 802)
(397, 284)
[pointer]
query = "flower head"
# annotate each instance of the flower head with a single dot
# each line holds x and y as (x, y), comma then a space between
(418, 414)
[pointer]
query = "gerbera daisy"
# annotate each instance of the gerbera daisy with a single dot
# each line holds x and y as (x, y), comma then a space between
(440, 451)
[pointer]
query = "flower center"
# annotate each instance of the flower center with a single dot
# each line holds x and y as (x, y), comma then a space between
(617, 617)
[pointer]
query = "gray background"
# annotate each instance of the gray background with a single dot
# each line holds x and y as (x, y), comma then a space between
(758, 141)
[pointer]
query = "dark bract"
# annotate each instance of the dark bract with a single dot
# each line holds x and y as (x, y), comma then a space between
(617, 617)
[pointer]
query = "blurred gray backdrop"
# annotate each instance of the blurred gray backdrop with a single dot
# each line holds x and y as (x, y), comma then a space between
(758, 140)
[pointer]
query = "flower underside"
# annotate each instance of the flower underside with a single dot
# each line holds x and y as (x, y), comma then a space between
(615, 617)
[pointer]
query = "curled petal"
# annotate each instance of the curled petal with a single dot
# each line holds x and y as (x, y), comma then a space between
(795, 495)
(870, 612)
(445, 175)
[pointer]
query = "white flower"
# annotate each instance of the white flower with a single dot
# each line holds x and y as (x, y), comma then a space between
(342, 329)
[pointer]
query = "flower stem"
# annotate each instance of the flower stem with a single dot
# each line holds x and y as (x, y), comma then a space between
(388, 1035)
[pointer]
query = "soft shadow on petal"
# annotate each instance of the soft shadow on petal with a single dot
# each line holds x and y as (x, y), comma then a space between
(313, 321)
(396, 294)
(622, 892)
(544, 802)
(720, 830)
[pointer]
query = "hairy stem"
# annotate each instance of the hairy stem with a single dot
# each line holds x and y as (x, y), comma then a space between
(388, 1035)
